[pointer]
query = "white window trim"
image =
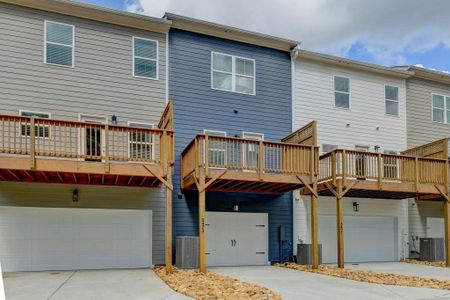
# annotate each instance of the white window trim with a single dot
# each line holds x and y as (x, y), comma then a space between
(214, 133)
(390, 100)
(21, 111)
(45, 44)
(233, 73)
(81, 145)
(130, 124)
(446, 121)
(349, 92)
(151, 59)
(246, 149)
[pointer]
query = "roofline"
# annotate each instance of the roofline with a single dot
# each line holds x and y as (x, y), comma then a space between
(428, 74)
(353, 64)
(231, 33)
(96, 13)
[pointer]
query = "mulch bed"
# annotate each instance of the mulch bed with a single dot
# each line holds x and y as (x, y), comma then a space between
(426, 263)
(373, 277)
(211, 286)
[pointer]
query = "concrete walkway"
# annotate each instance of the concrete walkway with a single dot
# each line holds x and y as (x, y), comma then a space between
(294, 285)
(404, 269)
(78, 285)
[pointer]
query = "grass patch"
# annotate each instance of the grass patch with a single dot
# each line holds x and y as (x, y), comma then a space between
(373, 277)
(211, 286)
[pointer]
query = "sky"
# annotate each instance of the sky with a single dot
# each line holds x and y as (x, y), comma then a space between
(387, 32)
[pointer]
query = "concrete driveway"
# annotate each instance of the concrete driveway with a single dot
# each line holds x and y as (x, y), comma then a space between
(293, 284)
(77, 285)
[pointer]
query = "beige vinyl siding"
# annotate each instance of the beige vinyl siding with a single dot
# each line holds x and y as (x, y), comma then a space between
(368, 207)
(101, 83)
(418, 213)
(421, 129)
(420, 126)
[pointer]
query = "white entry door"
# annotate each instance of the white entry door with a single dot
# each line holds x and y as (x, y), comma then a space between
(236, 239)
(366, 238)
(38, 239)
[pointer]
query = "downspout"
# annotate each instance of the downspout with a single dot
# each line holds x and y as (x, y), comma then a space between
(167, 67)
(294, 54)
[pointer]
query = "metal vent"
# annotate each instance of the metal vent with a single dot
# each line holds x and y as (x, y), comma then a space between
(187, 252)
(432, 249)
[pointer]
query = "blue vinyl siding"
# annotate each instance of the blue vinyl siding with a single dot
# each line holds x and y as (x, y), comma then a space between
(197, 106)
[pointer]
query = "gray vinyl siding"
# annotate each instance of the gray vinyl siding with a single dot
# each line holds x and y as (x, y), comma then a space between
(101, 83)
(60, 195)
(197, 107)
(420, 126)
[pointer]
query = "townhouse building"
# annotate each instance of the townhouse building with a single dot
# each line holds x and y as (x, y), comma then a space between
(427, 106)
(231, 89)
(362, 107)
(82, 159)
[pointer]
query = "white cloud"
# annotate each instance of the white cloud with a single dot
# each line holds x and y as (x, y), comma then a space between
(386, 29)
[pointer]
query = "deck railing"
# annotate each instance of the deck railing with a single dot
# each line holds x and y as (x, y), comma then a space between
(247, 155)
(353, 164)
(52, 138)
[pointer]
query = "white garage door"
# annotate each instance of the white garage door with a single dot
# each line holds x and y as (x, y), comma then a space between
(365, 238)
(36, 239)
(234, 239)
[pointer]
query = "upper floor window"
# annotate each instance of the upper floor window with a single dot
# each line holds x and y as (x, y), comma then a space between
(441, 108)
(145, 58)
(40, 130)
(59, 44)
(342, 92)
(391, 100)
(232, 73)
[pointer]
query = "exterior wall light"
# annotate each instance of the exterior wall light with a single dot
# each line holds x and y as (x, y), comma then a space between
(114, 119)
(355, 206)
(236, 206)
(75, 196)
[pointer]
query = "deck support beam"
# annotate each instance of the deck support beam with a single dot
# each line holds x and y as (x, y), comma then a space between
(340, 224)
(169, 190)
(201, 219)
(314, 230)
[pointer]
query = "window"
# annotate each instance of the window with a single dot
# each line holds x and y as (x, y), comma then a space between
(145, 58)
(59, 44)
(390, 165)
(141, 142)
(251, 150)
(328, 148)
(341, 92)
(441, 109)
(233, 73)
(40, 130)
(217, 148)
(391, 100)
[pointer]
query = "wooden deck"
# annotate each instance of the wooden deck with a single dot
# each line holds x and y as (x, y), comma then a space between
(61, 151)
(377, 175)
(245, 165)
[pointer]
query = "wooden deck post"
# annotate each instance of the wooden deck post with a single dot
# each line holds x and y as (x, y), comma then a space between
(314, 230)
(32, 144)
(447, 216)
(340, 225)
(169, 223)
(201, 221)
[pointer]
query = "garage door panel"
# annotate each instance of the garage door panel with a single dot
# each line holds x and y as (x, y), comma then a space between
(63, 239)
(366, 238)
